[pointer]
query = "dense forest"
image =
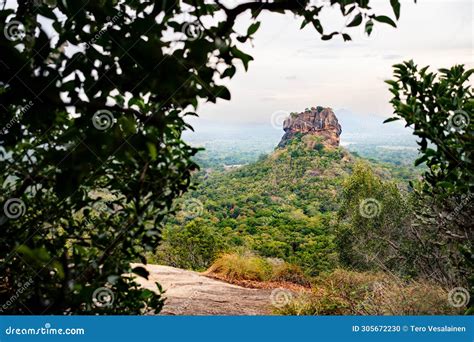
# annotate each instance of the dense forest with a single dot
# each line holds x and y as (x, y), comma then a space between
(310, 213)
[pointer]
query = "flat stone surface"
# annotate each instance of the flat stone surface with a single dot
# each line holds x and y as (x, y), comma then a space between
(191, 293)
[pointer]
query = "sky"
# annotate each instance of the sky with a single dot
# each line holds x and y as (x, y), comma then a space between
(294, 69)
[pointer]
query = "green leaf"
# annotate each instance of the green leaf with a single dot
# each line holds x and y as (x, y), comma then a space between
(421, 160)
(356, 21)
(391, 119)
(396, 8)
(386, 20)
(223, 93)
(245, 58)
(141, 271)
(317, 25)
(253, 28)
(152, 150)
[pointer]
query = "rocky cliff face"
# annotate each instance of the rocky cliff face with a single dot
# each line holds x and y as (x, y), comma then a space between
(317, 121)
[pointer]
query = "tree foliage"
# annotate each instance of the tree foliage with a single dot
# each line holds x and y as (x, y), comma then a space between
(373, 222)
(439, 107)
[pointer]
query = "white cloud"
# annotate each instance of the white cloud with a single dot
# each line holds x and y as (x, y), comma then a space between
(294, 69)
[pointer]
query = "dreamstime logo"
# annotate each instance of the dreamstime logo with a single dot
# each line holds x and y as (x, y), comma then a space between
(181, 308)
(280, 297)
(50, 3)
(21, 288)
(465, 201)
(14, 208)
(103, 297)
(369, 208)
(458, 297)
(278, 118)
(14, 30)
(99, 34)
(193, 30)
(192, 208)
(103, 119)
(458, 120)
(16, 118)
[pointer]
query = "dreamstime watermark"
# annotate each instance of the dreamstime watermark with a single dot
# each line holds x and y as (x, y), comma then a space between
(181, 308)
(460, 207)
(14, 208)
(377, 290)
(278, 118)
(17, 118)
(458, 120)
(281, 297)
(99, 207)
(46, 330)
(192, 30)
(370, 208)
(103, 119)
(14, 30)
(99, 34)
(192, 208)
(49, 3)
(21, 288)
(103, 297)
(458, 297)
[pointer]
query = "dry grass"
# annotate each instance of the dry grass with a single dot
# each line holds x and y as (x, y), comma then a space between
(235, 267)
(249, 270)
(364, 293)
(288, 273)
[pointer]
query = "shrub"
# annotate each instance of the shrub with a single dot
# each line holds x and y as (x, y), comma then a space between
(235, 267)
(290, 273)
(345, 292)
(194, 246)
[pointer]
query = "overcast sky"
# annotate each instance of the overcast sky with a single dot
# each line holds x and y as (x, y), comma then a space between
(294, 69)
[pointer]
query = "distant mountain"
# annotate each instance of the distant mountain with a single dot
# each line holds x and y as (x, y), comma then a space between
(244, 143)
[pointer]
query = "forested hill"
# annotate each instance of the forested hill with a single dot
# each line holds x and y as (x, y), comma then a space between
(283, 206)
(313, 215)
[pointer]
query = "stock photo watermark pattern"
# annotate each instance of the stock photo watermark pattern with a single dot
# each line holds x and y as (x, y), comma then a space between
(103, 120)
(21, 288)
(14, 208)
(370, 208)
(459, 297)
(103, 297)
(192, 208)
(458, 121)
(46, 330)
(14, 30)
(281, 297)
